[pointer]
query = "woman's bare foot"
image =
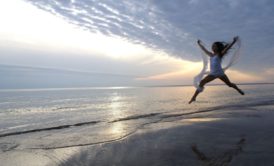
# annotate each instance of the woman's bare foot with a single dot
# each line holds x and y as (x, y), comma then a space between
(241, 92)
(191, 101)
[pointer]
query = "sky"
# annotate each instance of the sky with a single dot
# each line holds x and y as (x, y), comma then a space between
(71, 43)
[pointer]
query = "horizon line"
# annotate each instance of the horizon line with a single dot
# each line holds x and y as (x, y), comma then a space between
(117, 87)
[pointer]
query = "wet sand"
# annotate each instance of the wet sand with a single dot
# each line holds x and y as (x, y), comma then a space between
(234, 136)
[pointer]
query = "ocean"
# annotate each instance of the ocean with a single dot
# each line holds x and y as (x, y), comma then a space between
(70, 117)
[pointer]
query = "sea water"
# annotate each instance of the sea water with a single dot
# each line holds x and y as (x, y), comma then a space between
(57, 118)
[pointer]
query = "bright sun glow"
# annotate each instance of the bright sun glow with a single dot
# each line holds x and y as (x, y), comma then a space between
(185, 69)
(24, 24)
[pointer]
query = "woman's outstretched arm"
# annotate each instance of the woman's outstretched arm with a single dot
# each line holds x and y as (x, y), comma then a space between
(230, 45)
(204, 49)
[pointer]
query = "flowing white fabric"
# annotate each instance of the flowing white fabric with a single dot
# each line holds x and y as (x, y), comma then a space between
(233, 59)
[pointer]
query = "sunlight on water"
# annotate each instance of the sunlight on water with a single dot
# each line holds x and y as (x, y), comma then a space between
(117, 109)
(118, 129)
(116, 106)
(111, 113)
(66, 89)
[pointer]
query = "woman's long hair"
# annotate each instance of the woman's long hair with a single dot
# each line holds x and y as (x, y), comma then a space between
(220, 47)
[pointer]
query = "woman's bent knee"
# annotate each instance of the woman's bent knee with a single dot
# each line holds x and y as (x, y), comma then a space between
(200, 89)
(232, 85)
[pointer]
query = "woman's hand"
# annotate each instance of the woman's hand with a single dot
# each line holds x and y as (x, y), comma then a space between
(235, 38)
(230, 45)
(203, 48)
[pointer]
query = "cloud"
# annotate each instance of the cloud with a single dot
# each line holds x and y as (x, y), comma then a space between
(269, 71)
(156, 28)
(185, 70)
(240, 76)
(185, 77)
(40, 77)
(138, 21)
(174, 26)
(268, 74)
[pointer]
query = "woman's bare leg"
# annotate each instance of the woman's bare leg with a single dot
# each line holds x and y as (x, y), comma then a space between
(230, 84)
(206, 80)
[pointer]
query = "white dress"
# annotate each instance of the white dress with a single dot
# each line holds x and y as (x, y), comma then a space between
(216, 66)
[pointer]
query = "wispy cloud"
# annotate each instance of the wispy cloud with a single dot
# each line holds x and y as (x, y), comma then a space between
(173, 26)
(140, 22)
(41, 77)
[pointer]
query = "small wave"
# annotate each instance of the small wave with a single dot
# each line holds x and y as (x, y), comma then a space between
(4, 147)
(246, 105)
(49, 128)
(134, 117)
(64, 108)
(8, 102)
(172, 115)
(160, 116)
(204, 110)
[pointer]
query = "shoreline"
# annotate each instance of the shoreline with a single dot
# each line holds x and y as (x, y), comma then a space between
(241, 137)
(234, 136)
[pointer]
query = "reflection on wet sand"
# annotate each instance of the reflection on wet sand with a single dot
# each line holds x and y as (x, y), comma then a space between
(195, 120)
(118, 129)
